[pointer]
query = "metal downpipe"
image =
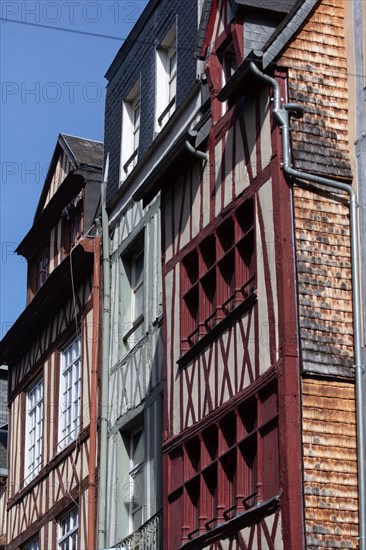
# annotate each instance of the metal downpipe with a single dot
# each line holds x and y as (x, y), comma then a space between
(102, 511)
(281, 114)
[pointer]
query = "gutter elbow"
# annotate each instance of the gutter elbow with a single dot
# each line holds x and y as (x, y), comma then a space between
(195, 152)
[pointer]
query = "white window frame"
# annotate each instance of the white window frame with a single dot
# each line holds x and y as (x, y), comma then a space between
(166, 78)
(70, 392)
(130, 137)
(67, 535)
(33, 431)
(133, 318)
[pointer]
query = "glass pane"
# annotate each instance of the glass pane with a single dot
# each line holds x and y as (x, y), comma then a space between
(137, 448)
(138, 268)
(136, 519)
(139, 302)
(137, 490)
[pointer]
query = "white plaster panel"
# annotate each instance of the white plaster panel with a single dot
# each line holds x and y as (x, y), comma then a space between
(228, 151)
(264, 355)
(241, 173)
(250, 125)
(196, 199)
(266, 201)
(218, 176)
(265, 134)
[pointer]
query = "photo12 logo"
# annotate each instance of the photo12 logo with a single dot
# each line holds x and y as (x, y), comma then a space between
(50, 92)
(50, 13)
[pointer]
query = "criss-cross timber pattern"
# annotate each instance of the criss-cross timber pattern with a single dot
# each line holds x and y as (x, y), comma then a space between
(265, 535)
(52, 331)
(219, 373)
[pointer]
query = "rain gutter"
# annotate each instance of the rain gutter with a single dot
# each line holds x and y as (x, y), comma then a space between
(102, 512)
(281, 112)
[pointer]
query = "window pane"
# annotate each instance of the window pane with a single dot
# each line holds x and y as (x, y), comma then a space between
(139, 302)
(138, 268)
(70, 392)
(68, 532)
(33, 430)
(137, 448)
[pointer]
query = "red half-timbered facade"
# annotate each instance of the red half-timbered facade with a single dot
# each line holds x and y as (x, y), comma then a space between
(231, 358)
(52, 353)
(255, 358)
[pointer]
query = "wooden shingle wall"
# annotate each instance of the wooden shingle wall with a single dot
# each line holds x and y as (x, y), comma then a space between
(330, 464)
(323, 261)
(317, 79)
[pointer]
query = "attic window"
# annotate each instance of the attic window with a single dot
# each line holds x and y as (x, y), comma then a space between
(131, 111)
(166, 78)
(228, 62)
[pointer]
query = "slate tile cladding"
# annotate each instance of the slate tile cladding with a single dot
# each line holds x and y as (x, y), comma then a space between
(138, 61)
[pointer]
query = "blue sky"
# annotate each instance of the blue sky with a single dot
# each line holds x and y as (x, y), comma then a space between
(51, 81)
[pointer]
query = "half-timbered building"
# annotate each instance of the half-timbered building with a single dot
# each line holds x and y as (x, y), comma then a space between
(52, 355)
(260, 446)
(152, 95)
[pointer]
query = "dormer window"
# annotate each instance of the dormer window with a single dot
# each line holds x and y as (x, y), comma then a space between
(228, 61)
(166, 78)
(131, 113)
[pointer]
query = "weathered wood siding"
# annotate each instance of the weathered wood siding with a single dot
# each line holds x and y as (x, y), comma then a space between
(324, 281)
(330, 464)
(317, 79)
(62, 169)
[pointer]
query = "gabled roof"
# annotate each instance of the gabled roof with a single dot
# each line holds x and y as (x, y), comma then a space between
(80, 152)
(281, 10)
(83, 151)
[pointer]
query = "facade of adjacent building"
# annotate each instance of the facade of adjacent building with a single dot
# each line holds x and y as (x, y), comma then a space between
(152, 94)
(52, 355)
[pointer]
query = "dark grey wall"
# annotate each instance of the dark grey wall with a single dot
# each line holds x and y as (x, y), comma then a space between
(139, 60)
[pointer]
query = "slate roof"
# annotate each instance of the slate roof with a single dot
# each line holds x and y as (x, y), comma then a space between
(83, 151)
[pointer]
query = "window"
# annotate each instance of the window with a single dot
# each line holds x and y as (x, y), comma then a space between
(230, 467)
(136, 481)
(33, 431)
(67, 535)
(131, 114)
(227, 58)
(133, 297)
(33, 545)
(217, 275)
(70, 393)
(166, 78)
